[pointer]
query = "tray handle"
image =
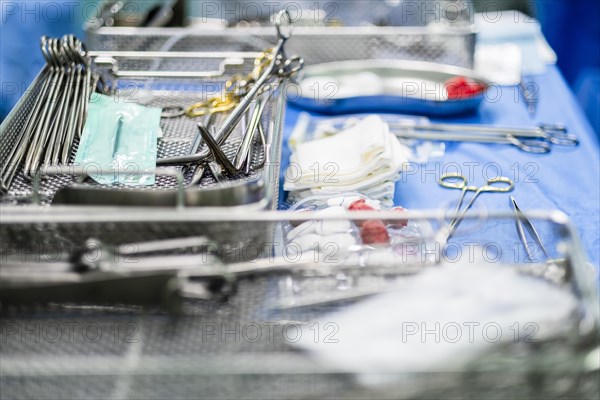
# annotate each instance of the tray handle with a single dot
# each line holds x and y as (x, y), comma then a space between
(82, 171)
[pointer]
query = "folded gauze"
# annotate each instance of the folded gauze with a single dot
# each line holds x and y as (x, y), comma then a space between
(358, 157)
(382, 192)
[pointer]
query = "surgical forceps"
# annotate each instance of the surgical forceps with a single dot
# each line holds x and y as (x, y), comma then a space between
(280, 66)
(553, 269)
(58, 112)
(522, 223)
(499, 184)
(537, 139)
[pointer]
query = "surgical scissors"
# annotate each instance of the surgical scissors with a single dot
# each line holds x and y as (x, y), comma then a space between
(244, 156)
(499, 184)
(280, 66)
(537, 139)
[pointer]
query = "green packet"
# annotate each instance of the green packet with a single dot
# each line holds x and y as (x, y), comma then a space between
(119, 136)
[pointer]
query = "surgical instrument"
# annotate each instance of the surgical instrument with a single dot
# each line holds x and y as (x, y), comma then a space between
(172, 112)
(42, 131)
(66, 52)
(58, 111)
(216, 170)
(197, 174)
(243, 156)
(280, 67)
(533, 140)
(523, 223)
(131, 274)
(530, 93)
(499, 184)
(553, 269)
(197, 170)
(217, 153)
(151, 273)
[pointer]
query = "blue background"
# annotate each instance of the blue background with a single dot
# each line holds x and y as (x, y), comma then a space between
(566, 179)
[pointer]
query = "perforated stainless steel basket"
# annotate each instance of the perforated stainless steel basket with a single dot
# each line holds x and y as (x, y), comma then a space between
(165, 81)
(454, 45)
(439, 31)
(212, 349)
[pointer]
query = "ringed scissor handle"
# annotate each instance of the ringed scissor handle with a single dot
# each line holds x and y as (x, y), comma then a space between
(455, 180)
(500, 184)
(558, 134)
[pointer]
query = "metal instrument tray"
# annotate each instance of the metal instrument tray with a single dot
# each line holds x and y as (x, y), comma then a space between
(444, 44)
(210, 350)
(163, 80)
(406, 87)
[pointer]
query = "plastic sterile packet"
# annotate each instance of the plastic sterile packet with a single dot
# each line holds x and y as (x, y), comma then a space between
(363, 238)
(119, 136)
(309, 127)
(336, 245)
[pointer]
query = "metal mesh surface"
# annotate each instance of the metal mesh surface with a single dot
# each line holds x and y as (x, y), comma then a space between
(212, 349)
(424, 30)
(450, 45)
(178, 133)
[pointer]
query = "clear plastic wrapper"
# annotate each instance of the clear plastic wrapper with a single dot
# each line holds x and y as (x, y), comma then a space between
(368, 245)
(119, 136)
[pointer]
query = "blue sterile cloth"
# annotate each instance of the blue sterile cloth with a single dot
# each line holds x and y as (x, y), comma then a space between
(567, 179)
(22, 23)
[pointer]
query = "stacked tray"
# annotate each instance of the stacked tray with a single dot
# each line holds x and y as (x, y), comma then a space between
(211, 348)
